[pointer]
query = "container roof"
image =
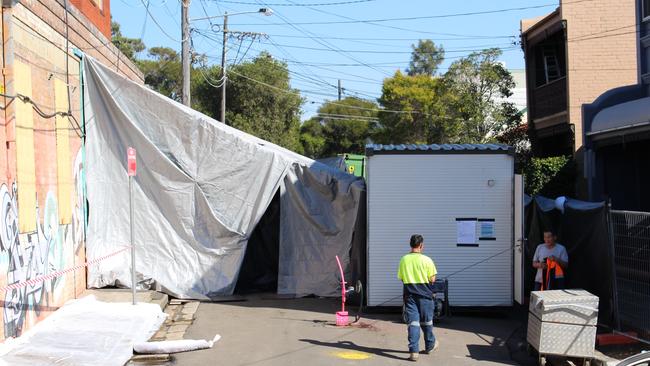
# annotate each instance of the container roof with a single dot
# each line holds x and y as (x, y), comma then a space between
(375, 149)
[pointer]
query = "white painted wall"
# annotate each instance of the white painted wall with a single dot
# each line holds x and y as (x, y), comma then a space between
(424, 194)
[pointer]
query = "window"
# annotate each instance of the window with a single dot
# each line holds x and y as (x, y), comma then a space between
(98, 3)
(550, 60)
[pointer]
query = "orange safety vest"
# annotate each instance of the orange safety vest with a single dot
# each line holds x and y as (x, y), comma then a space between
(555, 266)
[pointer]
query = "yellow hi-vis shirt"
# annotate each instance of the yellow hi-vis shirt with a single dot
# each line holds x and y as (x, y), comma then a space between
(415, 271)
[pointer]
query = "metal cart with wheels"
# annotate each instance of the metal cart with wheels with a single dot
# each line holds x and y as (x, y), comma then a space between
(562, 323)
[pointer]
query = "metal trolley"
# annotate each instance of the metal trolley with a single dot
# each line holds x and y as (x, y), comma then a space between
(563, 323)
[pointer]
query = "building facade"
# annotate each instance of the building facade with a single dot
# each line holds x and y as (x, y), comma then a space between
(573, 55)
(43, 211)
(617, 132)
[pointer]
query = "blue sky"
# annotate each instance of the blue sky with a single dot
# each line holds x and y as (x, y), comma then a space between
(361, 54)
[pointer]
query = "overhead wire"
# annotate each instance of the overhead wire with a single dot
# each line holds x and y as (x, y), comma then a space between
(330, 102)
(323, 42)
(499, 46)
(144, 23)
(349, 2)
(316, 79)
(320, 80)
(162, 29)
(422, 17)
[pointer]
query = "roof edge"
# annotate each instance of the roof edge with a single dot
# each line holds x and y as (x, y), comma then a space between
(538, 22)
(442, 149)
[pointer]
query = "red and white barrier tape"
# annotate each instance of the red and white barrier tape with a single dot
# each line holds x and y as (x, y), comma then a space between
(50, 276)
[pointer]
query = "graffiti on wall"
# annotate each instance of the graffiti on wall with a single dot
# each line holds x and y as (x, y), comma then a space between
(30, 255)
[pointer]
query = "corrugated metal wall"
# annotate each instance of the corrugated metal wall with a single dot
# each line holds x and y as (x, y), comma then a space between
(425, 194)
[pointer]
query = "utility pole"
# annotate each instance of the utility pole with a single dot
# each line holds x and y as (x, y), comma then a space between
(340, 90)
(226, 32)
(185, 20)
(224, 77)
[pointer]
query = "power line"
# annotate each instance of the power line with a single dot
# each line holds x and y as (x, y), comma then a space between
(330, 102)
(162, 29)
(345, 115)
(460, 38)
(380, 25)
(423, 17)
(324, 43)
(144, 23)
(309, 4)
(499, 46)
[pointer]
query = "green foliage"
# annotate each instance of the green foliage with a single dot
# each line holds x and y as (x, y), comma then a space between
(162, 71)
(268, 112)
(480, 85)
(312, 139)
(425, 58)
(341, 127)
(130, 47)
(466, 105)
(424, 117)
(550, 177)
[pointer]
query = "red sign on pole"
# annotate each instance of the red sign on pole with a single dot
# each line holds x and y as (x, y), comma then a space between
(131, 161)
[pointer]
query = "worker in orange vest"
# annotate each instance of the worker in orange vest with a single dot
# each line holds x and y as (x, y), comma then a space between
(551, 261)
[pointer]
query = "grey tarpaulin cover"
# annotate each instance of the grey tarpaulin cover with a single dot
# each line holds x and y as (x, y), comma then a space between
(201, 187)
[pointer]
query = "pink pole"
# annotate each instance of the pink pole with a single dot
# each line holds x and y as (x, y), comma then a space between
(342, 284)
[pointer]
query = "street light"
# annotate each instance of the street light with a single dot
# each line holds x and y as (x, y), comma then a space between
(224, 78)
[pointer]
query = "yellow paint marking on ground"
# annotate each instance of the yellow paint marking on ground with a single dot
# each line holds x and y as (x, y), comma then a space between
(352, 355)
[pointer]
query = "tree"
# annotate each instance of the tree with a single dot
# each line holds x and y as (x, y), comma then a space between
(344, 127)
(130, 47)
(260, 100)
(416, 111)
(425, 58)
(162, 71)
(312, 139)
(480, 86)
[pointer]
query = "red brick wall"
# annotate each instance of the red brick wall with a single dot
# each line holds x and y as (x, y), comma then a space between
(98, 12)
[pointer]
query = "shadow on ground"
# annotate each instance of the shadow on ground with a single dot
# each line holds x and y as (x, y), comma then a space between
(351, 346)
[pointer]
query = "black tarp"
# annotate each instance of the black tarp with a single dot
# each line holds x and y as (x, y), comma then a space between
(259, 270)
(583, 229)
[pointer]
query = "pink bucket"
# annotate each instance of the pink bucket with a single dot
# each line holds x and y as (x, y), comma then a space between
(342, 318)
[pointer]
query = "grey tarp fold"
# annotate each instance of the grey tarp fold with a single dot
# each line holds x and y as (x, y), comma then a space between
(200, 189)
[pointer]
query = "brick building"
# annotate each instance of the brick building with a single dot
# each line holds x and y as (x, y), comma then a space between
(573, 55)
(41, 167)
(617, 131)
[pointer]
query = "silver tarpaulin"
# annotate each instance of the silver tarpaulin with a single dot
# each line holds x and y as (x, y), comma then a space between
(201, 187)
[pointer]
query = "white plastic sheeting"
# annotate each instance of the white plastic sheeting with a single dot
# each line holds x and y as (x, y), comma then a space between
(181, 345)
(200, 190)
(84, 332)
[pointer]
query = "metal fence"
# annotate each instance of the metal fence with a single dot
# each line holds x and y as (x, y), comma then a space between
(630, 238)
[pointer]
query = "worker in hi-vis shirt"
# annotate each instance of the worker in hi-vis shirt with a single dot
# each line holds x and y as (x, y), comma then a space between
(418, 273)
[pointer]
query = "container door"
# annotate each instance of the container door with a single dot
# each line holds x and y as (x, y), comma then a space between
(519, 239)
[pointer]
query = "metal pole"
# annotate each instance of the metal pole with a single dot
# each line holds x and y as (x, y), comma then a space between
(340, 90)
(185, 51)
(132, 242)
(223, 69)
(612, 254)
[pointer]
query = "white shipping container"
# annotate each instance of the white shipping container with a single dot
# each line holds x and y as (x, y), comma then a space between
(426, 189)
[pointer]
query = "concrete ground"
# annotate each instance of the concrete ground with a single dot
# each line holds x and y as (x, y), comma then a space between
(265, 330)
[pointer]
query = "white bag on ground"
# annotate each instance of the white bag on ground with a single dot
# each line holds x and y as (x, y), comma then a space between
(182, 345)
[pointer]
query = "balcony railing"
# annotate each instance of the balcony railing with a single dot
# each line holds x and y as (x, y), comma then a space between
(549, 99)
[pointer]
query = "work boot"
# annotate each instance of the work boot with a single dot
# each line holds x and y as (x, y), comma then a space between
(413, 356)
(435, 347)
